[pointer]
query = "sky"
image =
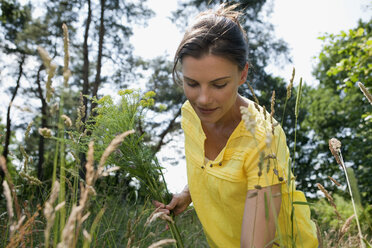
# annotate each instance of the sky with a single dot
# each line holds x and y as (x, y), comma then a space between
(298, 22)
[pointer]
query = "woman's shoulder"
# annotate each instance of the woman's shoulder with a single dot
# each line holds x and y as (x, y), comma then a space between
(190, 122)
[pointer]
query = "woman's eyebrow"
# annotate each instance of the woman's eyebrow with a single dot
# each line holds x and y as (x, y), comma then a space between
(213, 81)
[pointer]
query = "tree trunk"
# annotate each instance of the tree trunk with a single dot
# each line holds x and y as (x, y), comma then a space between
(43, 124)
(86, 63)
(8, 121)
(97, 80)
(169, 128)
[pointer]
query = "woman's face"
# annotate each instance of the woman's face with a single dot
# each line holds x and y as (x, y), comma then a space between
(211, 85)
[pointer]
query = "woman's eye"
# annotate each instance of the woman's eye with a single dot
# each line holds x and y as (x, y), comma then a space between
(192, 85)
(220, 86)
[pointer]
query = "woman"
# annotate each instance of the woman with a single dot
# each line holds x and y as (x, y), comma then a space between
(237, 164)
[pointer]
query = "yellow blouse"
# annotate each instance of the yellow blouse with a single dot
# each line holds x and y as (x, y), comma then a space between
(219, 187)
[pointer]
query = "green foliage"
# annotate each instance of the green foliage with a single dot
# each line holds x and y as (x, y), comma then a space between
(352, 54)
(135, 158)
(337, 108)
(323, 213)
(14, 18)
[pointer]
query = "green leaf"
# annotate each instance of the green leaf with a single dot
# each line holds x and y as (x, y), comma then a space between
(359, 32)
(302, 203)
(367, 243)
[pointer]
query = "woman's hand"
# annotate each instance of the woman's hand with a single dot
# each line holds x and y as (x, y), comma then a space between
(178, 204)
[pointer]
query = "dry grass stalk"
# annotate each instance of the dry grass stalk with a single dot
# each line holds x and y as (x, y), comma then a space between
(298, 98)
(28, 129)
(89, 165)
(158, 215)
(51, 67)
(290, 85)
(112, 147)
(253, 94)
(334, 181)
(80, 112)
(32, 180)
(272, 112)
(108, 171)
(22, 149)
(68, 233)
(345, 228)
(76, 218)
(66, 41)
(249, 121)
(330, 199)
(87, 235)
(335, 148)
(59, 206)
(11, 186)
(161, 243)
(49, 211)
(23, 230)
(269, 139)
(270, 156)
(130, 241)
(264, 112)
(9, 201)
(85, 217)
(44, 56)
(365, 92)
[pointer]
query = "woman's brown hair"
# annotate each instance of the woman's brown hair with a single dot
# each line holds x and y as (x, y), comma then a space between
(215, 32)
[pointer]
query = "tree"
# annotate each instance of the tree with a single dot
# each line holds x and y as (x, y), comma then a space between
(337, 108)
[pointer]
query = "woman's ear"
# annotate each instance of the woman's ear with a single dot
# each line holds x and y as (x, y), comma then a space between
(244, 74)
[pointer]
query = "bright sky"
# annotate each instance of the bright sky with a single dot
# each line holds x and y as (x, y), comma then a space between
(298, 22)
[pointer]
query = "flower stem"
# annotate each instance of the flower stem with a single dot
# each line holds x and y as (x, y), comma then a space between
(352, 200)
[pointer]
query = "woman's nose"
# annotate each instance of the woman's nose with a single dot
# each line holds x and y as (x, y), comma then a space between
(204, 96)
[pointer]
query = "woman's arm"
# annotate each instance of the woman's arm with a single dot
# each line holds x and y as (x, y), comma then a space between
(257, 229)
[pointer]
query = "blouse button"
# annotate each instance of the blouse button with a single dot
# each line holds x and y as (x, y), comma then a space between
(211, 165)
(220, 164)
(202, 167)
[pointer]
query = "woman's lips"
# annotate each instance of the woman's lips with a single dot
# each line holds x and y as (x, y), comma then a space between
(206, 111)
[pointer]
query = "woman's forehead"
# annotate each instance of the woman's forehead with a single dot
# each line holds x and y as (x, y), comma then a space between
(208, 67)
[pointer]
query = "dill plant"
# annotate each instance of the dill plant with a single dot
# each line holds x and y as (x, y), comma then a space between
(134, 157)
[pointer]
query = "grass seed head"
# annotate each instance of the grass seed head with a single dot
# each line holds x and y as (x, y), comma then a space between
(365, 92)
(334, 181)
(298, 98)
(272, 104)
(290, 85)
(112, 147)
(161, 243)
(335, 148)
(67, 120)
(253, 94)
(28, 129)
(45, 132)
(346, 226)
(249, 121)
(89, 165)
